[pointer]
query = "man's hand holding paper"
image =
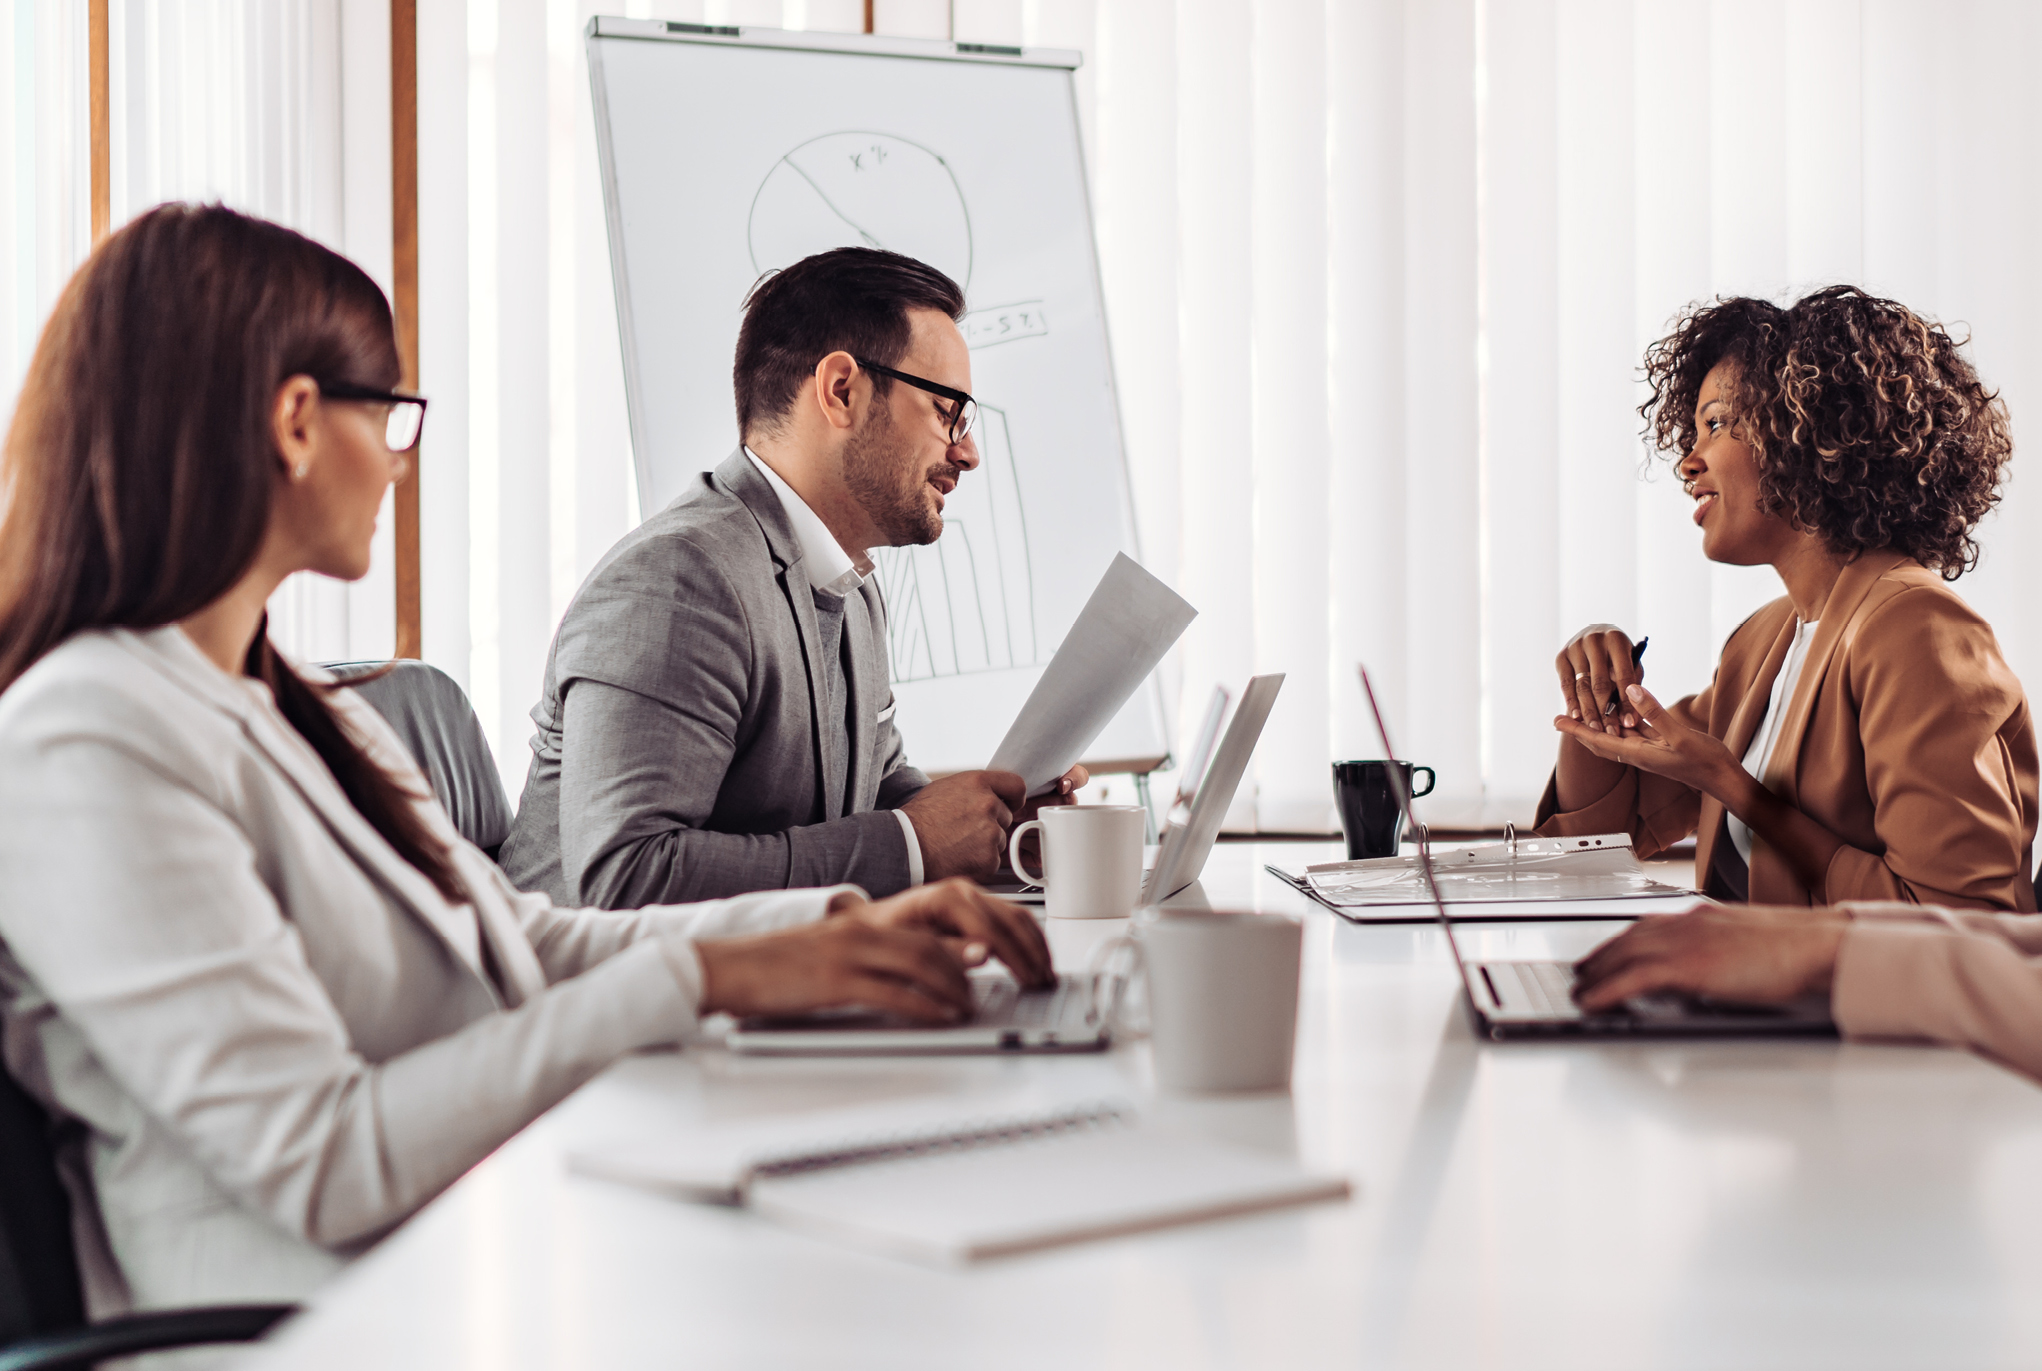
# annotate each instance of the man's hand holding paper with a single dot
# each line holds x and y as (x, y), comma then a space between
(1131, 620)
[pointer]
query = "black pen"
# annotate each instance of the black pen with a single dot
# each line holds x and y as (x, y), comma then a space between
(1637, 656)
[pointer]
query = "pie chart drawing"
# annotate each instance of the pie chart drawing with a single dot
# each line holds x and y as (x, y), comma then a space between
(861, 189)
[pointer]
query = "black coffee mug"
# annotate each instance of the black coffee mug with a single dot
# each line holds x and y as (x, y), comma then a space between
(1371, 813)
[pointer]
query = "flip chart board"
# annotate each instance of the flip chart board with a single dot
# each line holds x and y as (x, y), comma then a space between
(726, 153)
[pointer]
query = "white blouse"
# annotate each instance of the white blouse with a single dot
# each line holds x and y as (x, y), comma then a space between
(1760, 754)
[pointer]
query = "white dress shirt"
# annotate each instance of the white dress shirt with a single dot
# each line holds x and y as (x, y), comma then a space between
(834, 572)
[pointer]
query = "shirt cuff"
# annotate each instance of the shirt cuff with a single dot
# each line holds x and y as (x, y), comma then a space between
(907, 826)
(684, 959)
(746, 916)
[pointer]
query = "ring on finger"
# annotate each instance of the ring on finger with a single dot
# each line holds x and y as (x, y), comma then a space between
(1580, 675)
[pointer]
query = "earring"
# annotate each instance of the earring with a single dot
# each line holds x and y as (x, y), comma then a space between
(304, 470)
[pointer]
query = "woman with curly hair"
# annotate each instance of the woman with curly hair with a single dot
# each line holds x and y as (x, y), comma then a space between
(1863, 738)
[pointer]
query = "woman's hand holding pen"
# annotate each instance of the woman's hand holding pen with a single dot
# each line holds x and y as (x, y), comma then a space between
(1643, 734)
(1646, 736)
(1595, 667)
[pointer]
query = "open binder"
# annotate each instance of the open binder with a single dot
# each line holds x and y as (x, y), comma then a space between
(1584, 869)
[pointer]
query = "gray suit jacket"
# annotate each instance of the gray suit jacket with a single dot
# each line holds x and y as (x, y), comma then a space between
(680, 747)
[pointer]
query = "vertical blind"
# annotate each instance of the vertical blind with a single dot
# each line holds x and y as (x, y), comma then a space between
(236, 101)
(1379, 275)
(45, 206)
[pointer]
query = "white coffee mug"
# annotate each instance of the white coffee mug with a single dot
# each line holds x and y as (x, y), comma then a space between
(1223, 997)
(1091, 859)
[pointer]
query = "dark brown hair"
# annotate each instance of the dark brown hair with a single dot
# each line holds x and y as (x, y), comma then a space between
(139, 470)
(1871, 429)
(853, 300)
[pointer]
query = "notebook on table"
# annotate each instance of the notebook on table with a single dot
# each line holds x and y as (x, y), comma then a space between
(929, 1184)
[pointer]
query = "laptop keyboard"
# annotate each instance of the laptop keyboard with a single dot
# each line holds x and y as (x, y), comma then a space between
(1001, 1003)
(1549, 987)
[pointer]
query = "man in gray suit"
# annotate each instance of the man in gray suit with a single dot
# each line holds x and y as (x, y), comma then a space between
(716, 715)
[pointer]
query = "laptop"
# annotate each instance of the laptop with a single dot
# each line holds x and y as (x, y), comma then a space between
(1186, 845)
(1514, 1000)
(1074, 1015)
(1188, 839)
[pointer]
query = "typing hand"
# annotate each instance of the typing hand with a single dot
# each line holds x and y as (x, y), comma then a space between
(862, 958)
(974, 924)
(962, 822)
(1743, 955)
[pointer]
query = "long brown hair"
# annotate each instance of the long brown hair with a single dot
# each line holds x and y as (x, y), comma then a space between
(138, 473)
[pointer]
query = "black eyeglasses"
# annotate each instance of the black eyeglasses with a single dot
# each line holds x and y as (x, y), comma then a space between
(407, 412)
(961, 418)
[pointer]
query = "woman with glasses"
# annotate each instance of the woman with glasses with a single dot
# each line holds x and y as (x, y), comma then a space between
(277, 1002)
(1863, 738)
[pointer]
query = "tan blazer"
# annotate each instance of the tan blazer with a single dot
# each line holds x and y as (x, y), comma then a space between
(1907, 736)
(1965, 979)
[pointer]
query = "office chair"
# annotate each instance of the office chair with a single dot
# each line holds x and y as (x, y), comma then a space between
(42, 1307)
(433, 717)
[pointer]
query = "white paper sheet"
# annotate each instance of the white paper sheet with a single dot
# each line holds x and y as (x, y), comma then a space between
(1126, 627)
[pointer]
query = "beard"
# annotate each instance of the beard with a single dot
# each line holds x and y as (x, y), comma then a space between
(881, 473)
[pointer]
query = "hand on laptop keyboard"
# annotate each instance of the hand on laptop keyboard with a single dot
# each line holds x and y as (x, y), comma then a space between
(1728, 954)
(973, 924)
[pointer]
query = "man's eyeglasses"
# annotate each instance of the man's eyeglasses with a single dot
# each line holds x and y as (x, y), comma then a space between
(406, 417)
(964, 412)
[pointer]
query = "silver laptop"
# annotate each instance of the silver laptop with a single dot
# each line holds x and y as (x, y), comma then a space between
(1186, 845)
(1535, 999)
(1074, 1015)
(1188, 839)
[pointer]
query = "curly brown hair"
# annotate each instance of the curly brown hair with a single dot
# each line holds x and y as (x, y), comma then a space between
(1871, 430)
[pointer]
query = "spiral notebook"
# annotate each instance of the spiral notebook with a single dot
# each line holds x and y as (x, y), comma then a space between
(933, 1187)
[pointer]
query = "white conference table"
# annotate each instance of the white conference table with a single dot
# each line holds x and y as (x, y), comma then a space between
(1621, 1205)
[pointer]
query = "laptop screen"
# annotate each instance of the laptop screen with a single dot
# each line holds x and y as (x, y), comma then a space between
(1185, 848)
(1424, 836)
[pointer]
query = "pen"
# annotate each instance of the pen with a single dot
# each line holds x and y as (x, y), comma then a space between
(1637, 656)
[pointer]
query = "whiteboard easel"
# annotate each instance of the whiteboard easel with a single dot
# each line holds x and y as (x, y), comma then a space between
(728, 152)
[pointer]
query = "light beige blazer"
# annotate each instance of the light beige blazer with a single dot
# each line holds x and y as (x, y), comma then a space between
(1907, 736)
(272, 1037)
(1960, 978)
